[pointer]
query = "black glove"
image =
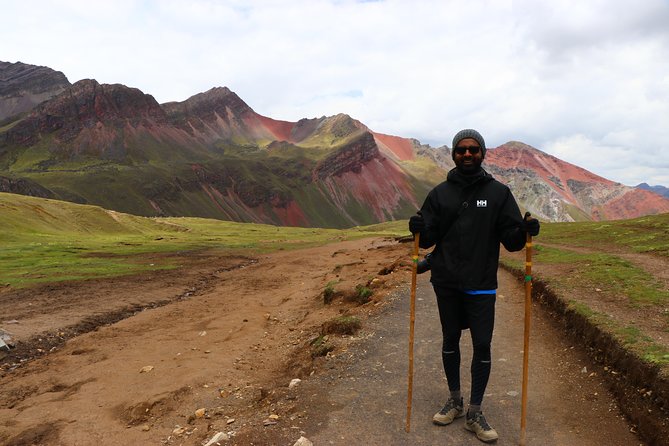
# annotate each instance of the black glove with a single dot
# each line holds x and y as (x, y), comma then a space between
(416, 224)
(531, 226)
(424, 265)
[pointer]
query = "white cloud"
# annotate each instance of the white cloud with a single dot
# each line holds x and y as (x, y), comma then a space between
(592, 74)
(631, 162)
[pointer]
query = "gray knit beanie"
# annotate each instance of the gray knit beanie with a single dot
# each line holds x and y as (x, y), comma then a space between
(468, 133)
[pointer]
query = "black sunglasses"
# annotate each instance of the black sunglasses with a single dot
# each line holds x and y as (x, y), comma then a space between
(462, 150)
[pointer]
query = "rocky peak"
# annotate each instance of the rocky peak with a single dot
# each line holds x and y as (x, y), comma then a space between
(342, 125)
(87, 105)
(218, 100)
(305, 127)
(216, 114)
(22, 86)
(17, 78)
(88, 102)
(349, 157)
(331, 131)
(518, 155)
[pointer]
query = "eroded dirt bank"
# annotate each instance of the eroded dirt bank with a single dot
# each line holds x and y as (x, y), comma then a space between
(640, 389)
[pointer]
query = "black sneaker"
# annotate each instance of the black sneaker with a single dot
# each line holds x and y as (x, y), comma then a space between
(478, 424)
(452, 410)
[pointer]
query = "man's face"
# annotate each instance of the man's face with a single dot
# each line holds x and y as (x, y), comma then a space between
(465, 160)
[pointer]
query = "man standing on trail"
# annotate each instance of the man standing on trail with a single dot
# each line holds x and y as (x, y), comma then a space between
(466, 217)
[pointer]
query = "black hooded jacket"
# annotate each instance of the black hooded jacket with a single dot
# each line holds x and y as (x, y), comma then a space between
(468, 236)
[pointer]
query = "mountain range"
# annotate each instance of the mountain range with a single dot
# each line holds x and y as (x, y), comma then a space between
(213, 156)
(661, 190)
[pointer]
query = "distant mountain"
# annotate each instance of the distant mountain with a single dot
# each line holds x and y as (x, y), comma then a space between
(23, 86)
(660, 190)
(213, 156)
(555, 190)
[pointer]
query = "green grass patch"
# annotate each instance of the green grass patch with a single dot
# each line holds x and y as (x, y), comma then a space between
(645, 234)
(343, 325)
(362, 294)
(329, 291)
(586, 312)
(634, 339)
(56, 261)
(49, 240)
(610, 273)
(656, 354)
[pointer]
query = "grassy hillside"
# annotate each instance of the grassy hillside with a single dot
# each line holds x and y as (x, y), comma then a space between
(245, 184)
(49, 240)
(163, 171)
(646, 234)
(612, 274)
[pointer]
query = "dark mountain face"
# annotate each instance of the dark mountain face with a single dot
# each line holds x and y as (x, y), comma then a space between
(214, 156)
(206, 106)
(88, 107)
(24, 187)
(23, 86)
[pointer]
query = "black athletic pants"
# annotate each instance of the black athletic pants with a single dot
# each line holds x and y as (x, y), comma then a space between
(458, 311)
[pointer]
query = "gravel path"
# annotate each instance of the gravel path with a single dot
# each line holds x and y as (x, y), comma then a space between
(366, 401)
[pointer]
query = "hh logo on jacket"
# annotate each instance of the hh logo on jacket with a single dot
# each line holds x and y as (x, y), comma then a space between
(481, 203)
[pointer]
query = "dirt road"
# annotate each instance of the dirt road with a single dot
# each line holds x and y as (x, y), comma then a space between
(567, 404)
(174, 359)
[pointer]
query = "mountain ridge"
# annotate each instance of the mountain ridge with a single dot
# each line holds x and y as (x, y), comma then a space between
(22, 86)
(660, 190)
(212, 155)
(567, 185)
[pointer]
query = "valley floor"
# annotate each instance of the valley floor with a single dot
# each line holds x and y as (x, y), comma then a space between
(133, 360)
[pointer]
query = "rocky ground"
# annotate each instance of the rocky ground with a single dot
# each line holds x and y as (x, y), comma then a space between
(179, 357)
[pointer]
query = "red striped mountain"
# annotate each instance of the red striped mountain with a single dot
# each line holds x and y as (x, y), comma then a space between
(214, 156)
(556, 190)
(209, 156)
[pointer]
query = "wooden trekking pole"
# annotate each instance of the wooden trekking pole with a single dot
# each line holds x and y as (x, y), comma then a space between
(526, 344)
(412, 321)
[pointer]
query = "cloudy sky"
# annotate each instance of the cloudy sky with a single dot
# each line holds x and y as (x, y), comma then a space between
(586, 81)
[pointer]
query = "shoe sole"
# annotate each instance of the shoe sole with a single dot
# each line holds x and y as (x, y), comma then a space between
(442, 423)
(485, 440)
